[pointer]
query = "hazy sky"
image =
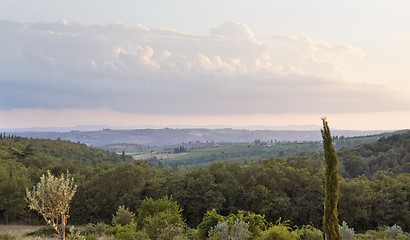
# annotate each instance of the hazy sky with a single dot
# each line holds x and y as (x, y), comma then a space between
(204, 63)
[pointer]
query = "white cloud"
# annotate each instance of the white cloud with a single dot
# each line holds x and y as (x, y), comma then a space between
(234, 31)
(152, 71)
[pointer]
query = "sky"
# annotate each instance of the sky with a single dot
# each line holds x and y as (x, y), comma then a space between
(133, 64)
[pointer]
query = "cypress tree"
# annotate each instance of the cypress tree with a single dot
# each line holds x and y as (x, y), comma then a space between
(330, 219)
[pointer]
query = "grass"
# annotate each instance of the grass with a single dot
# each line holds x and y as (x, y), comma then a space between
(18, 231)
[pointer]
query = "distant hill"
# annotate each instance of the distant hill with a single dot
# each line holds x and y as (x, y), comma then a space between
(47, 153)
(203, 154)
(170, 136)
(390, 154)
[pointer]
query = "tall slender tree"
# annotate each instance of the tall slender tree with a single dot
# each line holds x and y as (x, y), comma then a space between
(331, 229)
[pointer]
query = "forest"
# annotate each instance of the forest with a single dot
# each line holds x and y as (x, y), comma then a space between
(275, 192)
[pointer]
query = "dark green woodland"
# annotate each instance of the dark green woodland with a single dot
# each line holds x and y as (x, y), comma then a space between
(374, 185)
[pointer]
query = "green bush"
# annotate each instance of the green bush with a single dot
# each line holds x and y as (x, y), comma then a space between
(393, 231)
(256, 223)
(123, 216)
(372, 235)
(308, 232)
(126, 232)
(94, 229)
(210, 220)
(280, 231)
(161, 218)
(346, 232)
(75, 234)
(164, 225)
(222, 231)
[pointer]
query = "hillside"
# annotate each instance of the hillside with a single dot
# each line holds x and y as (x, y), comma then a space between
(291, 190)
(387, 154)
(44, 152)
(169, 136)
(197, 154)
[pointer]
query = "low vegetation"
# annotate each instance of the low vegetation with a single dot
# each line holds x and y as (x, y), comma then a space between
(269, 199)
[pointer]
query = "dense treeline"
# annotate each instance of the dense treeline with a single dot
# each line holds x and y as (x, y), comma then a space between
(275, 188)
(387, 154)
(23, 161)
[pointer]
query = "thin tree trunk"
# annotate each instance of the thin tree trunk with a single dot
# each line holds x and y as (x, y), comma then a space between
(63, 223)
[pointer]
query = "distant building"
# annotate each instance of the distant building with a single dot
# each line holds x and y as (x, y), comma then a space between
(270, 143)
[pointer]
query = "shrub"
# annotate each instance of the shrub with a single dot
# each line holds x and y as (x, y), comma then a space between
(220, 231)
(126, 232)
(94, 229)
(210, 220)
(346, 232)
(393, 231)
(123, 216)
(372, 235)
(280, 231)
(44, 232)
(75, 234)
(308, 232)
(161, 218)
(164, 225)
(239, 230)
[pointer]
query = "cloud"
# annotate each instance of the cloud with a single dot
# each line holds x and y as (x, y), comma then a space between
(164, 71)
(234, 31)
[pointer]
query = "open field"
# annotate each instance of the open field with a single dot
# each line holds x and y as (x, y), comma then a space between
(245, 152)
(157, 155)
(18, 231)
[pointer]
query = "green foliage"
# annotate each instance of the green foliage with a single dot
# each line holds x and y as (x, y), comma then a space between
(222, 231)
(330, 217)
(45, 231)
(164, 225)
(75, 234)
(94, 229)
(210, 220)
(346, 232)
(393, 231)
(387, 154)
(279, 231)
(123, 216)
(271, 188)
(308, 232)
(372, 234)
(196, 192)
(355, 204)
(14, 179)
(256, 222)
(126, 232)
(238, 225)
(161, 218)
(90, 237)
(6, 237)
(51, 198)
